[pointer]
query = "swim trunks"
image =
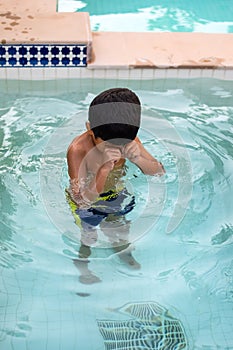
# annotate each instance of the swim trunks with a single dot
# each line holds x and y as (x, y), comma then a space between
(109, 203)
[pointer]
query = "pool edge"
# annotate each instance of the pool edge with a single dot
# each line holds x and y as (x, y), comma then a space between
(123, 55)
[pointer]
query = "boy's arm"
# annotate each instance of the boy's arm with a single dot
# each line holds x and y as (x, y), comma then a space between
(138, 155)
(75, 160)
(110, 158)
(77, 171)
(80, 189)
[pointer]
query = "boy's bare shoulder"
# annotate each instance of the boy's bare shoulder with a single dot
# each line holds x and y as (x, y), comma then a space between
(81, 144)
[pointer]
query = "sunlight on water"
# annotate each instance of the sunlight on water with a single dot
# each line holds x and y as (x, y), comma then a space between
(155, 15)
(46, 290)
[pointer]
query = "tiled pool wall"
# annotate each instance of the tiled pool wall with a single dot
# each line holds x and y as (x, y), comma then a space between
(38, 43)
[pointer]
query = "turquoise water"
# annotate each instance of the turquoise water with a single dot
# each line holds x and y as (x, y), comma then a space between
(210, 16)
(181, 229)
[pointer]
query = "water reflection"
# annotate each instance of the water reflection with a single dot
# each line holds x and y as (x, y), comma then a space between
(117, 233)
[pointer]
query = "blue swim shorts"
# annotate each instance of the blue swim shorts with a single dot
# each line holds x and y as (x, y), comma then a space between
(108, 203)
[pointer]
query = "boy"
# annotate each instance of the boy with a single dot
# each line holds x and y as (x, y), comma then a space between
(96, 158)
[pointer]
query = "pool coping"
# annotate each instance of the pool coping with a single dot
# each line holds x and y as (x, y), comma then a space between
(161, 50)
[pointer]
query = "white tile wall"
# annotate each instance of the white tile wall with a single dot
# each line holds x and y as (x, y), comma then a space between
(219, 73)
(38, 73)
(160, 73)
(172, 73)
(24, 74)
(87, 73)
(207, 73)
(135, 73)
(3, 72)
(12, 73)
(111, 73)
(48, 74)
(98, 73)
(195, 73)
(228, 74)
(121, 74)
(148, 73)
(183, 73)
(74, 73)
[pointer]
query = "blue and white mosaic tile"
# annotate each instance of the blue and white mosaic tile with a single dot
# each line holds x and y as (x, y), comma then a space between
(43, 55)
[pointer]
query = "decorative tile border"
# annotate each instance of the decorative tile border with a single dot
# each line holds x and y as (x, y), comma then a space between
(43, 55)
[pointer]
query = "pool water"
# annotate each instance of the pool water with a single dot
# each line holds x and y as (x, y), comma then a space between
(174, 283)
(210, 16)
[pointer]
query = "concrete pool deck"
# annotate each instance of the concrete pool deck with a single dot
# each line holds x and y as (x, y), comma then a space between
(161, 50)
(37, 22)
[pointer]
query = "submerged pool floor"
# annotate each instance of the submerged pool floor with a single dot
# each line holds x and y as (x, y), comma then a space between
(211, 16)
(173, 284)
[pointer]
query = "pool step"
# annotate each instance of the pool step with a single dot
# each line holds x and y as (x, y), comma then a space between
(26, 25)
(161, 50)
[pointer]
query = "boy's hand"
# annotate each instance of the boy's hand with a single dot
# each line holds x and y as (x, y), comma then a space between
(132, 151)
(111, 156)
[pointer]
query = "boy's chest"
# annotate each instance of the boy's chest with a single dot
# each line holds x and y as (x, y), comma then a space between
(94, 163)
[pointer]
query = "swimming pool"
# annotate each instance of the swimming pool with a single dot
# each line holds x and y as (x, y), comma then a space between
(176, 285)
(209, 16)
